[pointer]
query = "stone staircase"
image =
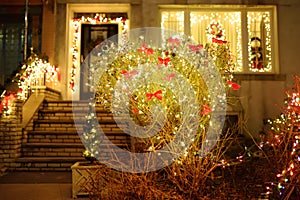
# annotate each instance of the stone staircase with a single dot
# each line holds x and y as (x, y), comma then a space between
(54, 144)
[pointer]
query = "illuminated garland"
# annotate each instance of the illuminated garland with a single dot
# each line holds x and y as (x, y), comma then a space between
(37, 72)
(76, 25)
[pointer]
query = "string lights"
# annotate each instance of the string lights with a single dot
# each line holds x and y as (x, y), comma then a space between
(284, 138)
(35, 72)
(258, 24)
(76, 30)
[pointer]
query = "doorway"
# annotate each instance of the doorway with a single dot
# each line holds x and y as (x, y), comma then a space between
(91, 36)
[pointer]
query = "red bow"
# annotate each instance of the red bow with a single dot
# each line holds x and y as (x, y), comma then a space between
(6, 101)
(129, 74)
(173, 41)
(214, 40)
(164, 61)
(169, 76)
(196, 48)
(135, 111)
(157, 95)
(206, 110)
(148, 51)
(233, 85)
(72, 84)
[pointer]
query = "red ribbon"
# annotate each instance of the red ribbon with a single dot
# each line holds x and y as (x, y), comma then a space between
(214, 40)
(148, 51)
(173, 41)
(169, 76)
(206, 110)
(196, 48)
(164, 61)
(233, 85)
(129, 74)
(157, 95)
(72, 84)
(8, 98)
(135, 111)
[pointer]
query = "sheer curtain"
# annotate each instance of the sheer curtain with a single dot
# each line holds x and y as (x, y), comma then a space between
(172, 20)
(231, 25)
(259, 27)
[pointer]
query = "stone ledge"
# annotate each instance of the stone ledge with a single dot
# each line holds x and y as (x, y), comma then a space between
(260, 77)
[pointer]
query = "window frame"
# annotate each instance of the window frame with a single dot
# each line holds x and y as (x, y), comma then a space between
(244, 9)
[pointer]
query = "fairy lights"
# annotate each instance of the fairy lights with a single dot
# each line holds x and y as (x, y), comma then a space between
(76, 28)
(284, 139)
(34, 73)
(37, 72)
(259, 25)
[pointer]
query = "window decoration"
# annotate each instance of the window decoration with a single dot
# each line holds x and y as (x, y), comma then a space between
(249, 31)
(215, 30)
(172, 20)
(259, 46)
(216, 25)
(76, 27)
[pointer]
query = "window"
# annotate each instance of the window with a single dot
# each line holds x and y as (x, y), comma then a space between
(12, 37)
(250, 32)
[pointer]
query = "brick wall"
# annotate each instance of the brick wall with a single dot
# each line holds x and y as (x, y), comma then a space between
(11, 135)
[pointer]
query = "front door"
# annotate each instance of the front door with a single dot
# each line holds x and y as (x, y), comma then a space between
(91, 36)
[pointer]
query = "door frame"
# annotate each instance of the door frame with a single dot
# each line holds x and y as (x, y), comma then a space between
(85, 92)
(72, 69)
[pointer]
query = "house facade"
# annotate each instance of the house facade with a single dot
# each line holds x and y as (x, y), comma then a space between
(64, 29)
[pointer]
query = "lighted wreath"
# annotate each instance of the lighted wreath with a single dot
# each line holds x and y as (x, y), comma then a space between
(143, 97)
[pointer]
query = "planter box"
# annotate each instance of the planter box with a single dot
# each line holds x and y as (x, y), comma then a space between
(82, 172)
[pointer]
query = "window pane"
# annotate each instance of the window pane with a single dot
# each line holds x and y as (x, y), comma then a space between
(259, 45)
(230, 23)
(173, 20)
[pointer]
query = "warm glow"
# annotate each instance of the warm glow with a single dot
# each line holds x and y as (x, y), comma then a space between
(76, 27)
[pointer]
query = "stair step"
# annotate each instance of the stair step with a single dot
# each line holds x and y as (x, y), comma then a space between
(52, 145)
(47, 163)
(71, 121)
(68, 109)
(109, 131)
(50, 159)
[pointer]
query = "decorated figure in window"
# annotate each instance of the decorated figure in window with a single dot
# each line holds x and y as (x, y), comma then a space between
(256, 53)
(215, 32)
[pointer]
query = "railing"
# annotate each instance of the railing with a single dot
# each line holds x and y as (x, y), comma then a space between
(34, 74)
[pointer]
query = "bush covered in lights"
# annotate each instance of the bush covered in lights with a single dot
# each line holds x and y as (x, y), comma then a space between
(282, 144)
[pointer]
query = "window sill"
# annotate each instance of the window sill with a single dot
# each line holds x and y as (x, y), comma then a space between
(260, 77)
